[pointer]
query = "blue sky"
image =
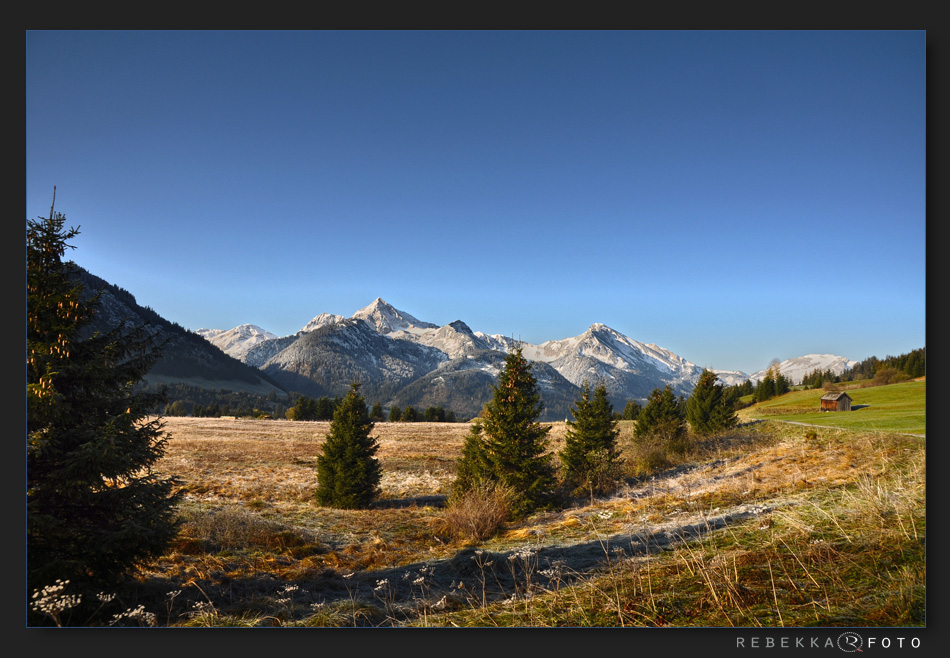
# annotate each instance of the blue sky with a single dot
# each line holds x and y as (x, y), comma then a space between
(731, 196)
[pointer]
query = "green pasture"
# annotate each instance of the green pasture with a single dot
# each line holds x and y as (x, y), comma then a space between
(892, 408)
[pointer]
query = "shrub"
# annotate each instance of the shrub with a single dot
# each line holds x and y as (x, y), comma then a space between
(477, 512)
(233, 528)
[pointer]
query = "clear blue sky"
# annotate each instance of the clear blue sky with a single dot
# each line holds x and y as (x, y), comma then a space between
(731, 196)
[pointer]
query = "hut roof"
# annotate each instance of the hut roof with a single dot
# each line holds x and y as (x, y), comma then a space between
(837, 395)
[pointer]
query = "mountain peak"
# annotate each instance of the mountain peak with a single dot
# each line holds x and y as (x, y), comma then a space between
(322, 320)
(386, 319)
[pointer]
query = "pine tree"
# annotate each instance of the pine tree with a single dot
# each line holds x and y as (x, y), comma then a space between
(95, 510)
(708, 409)
(631, 410)
(591, 460)
(782, 385)
(662, 418)
(508, 445)
(348, 473)
(765, 389)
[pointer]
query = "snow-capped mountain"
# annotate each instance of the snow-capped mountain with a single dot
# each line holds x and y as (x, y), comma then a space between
(327, 360)
(628, 368)
(402, 360)
(731, 377)
(322, 320)
(795, 369)
(409, 361)
(236, 342)
(386, 320)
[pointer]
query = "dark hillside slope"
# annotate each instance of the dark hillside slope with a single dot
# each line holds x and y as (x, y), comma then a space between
(187, 358)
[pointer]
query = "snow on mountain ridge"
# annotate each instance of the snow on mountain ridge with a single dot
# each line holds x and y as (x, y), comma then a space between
(386, 319)
(601, 353)
(236, 342)
(796, 368)
(322, 320)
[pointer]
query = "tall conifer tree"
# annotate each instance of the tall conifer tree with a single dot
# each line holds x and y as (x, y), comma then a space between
(590, 459)
(662, 418)
(708, 409)
(508, 445)
(95, 509)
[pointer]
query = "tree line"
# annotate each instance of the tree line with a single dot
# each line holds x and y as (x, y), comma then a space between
(911, 365)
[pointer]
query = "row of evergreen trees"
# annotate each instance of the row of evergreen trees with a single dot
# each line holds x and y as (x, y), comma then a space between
(411, 415)
(508, 447)
(912, 364)
(201, 403)
(772, 385)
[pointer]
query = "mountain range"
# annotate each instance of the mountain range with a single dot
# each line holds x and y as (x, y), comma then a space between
(401, 360)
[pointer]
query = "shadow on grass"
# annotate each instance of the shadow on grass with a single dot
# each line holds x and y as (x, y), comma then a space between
(413, 501)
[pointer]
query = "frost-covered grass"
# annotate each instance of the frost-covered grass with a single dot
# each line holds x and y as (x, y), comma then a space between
(772, 525)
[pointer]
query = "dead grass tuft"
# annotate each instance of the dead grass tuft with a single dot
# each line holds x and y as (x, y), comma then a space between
(478, 513)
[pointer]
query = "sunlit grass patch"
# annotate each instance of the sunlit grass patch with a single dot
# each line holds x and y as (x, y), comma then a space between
(803, 526)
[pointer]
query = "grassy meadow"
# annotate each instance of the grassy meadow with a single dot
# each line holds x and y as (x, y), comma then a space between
(768, 525)
(892, 408)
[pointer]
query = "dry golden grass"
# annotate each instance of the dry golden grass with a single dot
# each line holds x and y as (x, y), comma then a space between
(256, 479)
(270, 466)
(275, 460)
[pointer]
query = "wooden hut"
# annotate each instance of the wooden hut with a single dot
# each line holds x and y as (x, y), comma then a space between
(838, 401)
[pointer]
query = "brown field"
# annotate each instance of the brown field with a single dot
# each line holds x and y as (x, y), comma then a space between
(255, 549)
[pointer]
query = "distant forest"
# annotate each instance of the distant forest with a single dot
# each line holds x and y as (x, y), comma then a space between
(911, 364)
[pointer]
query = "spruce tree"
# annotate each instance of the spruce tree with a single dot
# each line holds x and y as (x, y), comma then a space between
(631, 410)
(508, 445)
(709, 409)
(95, 509)
(662, 418)
(591, 460)
(348, 473)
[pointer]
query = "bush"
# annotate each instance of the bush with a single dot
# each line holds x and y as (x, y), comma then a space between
(477, 512)
(647, 456)
(886, 376)
(233, 528)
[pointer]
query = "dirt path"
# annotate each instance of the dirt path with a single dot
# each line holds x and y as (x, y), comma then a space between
(505, 575)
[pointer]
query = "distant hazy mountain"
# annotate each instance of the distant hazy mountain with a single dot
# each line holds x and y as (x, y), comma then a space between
(795, 369)
(236, 342)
